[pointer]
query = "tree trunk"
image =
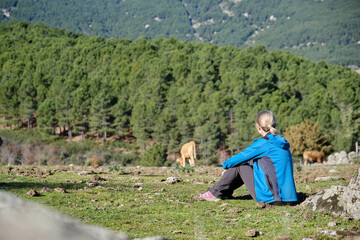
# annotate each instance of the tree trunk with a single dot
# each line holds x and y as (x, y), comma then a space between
(231, 119)
(69, 132)
(105, 132)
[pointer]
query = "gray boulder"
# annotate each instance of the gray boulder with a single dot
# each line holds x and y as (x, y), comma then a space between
(352, 156)
(339, 200)
(341, 158)
(331, 160)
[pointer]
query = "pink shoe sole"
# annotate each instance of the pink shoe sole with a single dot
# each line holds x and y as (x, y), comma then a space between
(208, 196)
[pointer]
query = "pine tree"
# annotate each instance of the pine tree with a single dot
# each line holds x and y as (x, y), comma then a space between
(65, 107)
(82, 108)
(174, 143)
(9, 103)
(121, 112)
(100, 114)
(46, 117)
(27, 95)
(207, 137)
(143, 119)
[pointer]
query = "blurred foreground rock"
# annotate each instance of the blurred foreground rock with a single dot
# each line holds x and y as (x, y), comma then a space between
(23, 220)
(339, 200)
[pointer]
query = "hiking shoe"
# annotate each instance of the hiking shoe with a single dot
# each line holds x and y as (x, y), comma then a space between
(208, 196)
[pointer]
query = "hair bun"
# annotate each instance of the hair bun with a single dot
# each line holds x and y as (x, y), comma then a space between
(266, 120)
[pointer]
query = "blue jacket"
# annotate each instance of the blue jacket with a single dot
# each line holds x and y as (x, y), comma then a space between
(273, 168)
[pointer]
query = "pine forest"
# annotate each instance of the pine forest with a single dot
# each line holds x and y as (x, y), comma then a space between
(157, 94)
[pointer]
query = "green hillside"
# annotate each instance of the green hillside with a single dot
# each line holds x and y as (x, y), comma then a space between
(166, 92)
(319, 30)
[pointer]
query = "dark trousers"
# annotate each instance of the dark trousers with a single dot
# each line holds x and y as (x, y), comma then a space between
(234, 178)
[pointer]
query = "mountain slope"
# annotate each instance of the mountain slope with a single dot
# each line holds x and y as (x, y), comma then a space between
(319, 30)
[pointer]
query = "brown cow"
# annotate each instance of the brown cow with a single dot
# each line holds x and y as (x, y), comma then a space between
(312, 156)
(188, 150)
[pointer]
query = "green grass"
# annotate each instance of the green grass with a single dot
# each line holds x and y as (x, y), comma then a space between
(138, 202)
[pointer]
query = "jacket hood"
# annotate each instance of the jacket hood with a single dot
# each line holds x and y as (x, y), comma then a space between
(278, 141)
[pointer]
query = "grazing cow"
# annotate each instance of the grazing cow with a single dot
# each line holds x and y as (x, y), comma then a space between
(312, 156)
(188, 151)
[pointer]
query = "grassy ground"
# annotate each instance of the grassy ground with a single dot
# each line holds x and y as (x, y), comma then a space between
(137, 201)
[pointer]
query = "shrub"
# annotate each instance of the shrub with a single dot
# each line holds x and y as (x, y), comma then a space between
(307, 136)
(10, 153)
(186, 169)
(115, 168)
(130, 158)
(95, 160)
(154, 156)
(20, 136)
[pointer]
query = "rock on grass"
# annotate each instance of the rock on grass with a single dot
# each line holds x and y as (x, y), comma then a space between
(33, 193)
(253, 233)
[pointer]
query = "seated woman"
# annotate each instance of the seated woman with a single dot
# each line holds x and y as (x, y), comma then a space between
(265, 167)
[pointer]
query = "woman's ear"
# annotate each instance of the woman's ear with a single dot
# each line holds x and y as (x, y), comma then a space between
(258, 127)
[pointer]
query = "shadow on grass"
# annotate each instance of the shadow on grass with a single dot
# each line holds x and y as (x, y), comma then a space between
(300, 195)
(26, 185)
(244, 197)
(13, 186)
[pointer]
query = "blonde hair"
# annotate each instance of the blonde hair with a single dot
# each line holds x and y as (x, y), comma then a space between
(266, 120)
